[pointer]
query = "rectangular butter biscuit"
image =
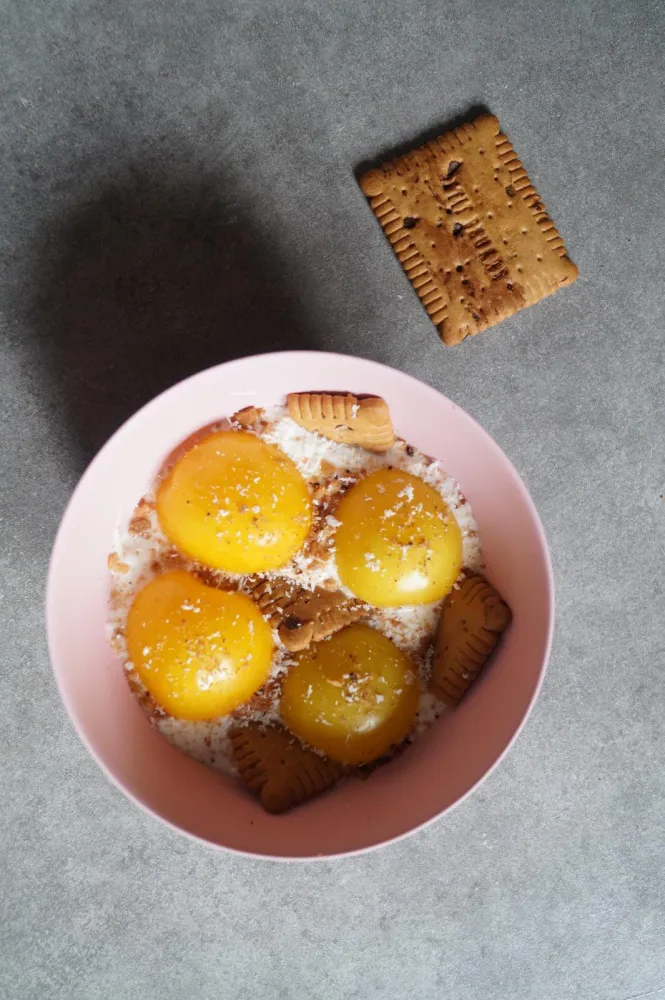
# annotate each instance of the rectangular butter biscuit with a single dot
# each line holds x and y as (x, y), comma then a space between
(469, 228)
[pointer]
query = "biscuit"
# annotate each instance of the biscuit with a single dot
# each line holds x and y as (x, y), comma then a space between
(313, 615)
(247, 417)
(469, 228)
(472, 620)
(277, 769)
(303, 616)
(347, 419)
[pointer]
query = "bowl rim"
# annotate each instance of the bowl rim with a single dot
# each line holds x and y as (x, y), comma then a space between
(124, 428)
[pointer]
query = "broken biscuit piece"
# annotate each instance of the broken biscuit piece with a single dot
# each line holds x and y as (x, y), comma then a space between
(347, 419)
(247, 417)
(277, 769)
(313, 615)
(304, 616)
(472, 620)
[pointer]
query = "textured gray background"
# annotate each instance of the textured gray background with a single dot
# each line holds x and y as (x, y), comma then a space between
(176, 188)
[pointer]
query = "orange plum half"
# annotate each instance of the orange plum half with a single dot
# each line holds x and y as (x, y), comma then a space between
(235, 503)
(398, 541)
(199, 651)
(353, 696)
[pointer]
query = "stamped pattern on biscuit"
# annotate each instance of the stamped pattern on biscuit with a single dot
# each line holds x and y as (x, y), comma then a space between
(472, 620)
(277, 769)
(469, 228)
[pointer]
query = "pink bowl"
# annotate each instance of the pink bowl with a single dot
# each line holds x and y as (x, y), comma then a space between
(438, 771)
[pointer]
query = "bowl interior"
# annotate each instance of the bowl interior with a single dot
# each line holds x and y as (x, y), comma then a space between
(441, 767)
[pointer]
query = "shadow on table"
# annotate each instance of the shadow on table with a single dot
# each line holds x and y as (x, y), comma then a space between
(147, 284)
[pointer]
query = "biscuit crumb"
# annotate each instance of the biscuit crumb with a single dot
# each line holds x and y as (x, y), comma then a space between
(140, 525)
(116, 565)
(247, 417)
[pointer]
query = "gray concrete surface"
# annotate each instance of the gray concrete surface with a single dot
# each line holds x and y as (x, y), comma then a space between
(176, 188)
